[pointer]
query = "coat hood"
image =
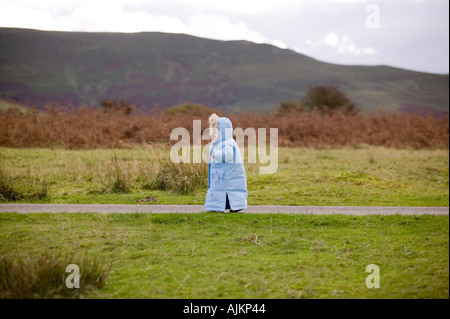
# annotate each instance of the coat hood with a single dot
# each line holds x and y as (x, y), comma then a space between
(224, 129)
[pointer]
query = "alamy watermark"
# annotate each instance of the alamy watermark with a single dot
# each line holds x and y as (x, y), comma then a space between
(256, 146)
(373, 280)
(73, 279)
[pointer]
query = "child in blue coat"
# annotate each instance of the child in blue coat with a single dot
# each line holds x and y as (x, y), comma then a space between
(227, 183)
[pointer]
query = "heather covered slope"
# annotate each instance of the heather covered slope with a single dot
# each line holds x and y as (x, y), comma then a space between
(151, 68)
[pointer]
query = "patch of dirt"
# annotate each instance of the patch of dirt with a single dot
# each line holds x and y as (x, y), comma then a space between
(147, 199)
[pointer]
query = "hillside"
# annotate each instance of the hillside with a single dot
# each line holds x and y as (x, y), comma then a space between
(152, 68)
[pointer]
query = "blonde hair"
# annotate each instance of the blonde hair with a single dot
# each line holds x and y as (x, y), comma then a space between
(213, 118)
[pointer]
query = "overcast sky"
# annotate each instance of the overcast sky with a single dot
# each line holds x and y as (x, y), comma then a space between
(410, 34)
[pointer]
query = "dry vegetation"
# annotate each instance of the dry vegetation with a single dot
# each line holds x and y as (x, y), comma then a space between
(87, 127)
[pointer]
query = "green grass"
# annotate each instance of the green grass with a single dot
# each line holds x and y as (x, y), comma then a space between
(215, 255)
(362, 176)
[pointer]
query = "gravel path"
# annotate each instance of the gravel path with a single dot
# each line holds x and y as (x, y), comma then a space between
(264, 209)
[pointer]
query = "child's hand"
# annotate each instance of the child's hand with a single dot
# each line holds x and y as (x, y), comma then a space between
(212, 157)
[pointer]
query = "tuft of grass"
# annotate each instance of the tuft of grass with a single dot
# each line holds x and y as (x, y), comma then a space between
(12, 188)
(7, 189)
(181, 178)
(117, 178)
(370, 156)
(44, 276)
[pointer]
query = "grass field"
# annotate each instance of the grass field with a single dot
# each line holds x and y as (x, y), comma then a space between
(359, 176)
(215, 255)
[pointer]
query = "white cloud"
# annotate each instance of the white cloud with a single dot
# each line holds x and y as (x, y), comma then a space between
(96, 16)
(279, 44)
(222, 28)
(240, 7)
(91, 16)
(331, 39)
(112, 18)
(235, 7)
(340, 44)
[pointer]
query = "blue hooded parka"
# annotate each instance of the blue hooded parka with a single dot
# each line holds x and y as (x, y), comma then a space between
(226, 174)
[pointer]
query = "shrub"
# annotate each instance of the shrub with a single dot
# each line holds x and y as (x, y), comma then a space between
(181, 178)
(92, 128)
(117, 179)
(190, 109)
(43, 277)
(327, 99)
(121, 106)
(290, 106)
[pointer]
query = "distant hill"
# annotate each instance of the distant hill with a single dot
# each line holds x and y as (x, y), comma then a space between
(152, 68)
